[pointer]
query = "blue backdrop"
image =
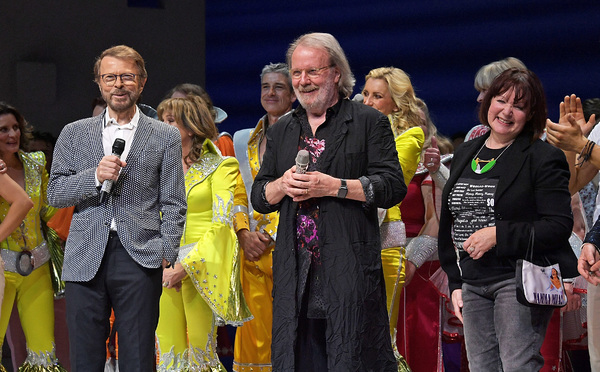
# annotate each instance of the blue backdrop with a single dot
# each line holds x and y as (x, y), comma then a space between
(440, 44)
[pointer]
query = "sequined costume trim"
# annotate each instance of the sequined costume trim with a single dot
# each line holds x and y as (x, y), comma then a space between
(223, 210)
(42, 362)
(192, 359)
(205, 360)
(173, 362)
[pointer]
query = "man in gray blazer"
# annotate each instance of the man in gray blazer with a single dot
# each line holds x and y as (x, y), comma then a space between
(117, 247)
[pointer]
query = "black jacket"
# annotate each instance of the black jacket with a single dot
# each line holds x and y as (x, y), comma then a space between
(357, 320)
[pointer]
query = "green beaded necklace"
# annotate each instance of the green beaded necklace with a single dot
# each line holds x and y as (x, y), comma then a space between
(489, 163)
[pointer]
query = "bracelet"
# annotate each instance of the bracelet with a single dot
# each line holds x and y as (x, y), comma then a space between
(420, 249)
(441, 176)
(585, 153)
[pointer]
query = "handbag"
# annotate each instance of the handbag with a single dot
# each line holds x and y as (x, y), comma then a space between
(393, 234)
(539, 285)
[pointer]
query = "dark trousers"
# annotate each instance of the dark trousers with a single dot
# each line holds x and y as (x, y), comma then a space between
(133, 292)
(311, 345)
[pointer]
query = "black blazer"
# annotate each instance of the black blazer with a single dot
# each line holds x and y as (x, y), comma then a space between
(534, 192)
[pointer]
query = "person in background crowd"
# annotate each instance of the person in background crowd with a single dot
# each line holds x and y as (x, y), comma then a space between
(25, 252)
(503, 188)
(257, 232)
(569, 134)
(113, 256)
(390, 91)
(589, 192)
(328, 294)
(223, 140)
(44, 141)
(420, 319)
(98, 106)
(20, 204)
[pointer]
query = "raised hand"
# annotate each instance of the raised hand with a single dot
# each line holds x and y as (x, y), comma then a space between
(431, 157)
(572, 105)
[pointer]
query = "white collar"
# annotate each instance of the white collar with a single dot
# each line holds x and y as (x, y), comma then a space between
(108, 121)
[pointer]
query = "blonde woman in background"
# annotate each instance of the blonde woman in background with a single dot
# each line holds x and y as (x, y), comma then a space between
(389, 90)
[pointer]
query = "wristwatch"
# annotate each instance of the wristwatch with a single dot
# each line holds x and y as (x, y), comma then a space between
(343, 191)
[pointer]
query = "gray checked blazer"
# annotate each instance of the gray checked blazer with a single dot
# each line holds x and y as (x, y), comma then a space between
(147, 201)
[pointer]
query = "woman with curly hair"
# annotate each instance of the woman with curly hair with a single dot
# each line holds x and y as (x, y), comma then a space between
(389, 90)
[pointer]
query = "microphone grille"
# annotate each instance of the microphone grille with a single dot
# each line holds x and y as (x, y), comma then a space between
(302, 157)
(118, 146)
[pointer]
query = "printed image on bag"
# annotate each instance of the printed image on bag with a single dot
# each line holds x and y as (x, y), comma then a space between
(539, 285)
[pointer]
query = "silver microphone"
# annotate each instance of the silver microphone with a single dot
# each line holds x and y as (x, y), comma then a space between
(302, 161)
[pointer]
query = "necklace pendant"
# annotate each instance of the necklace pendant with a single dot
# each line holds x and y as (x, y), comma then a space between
(475, 166)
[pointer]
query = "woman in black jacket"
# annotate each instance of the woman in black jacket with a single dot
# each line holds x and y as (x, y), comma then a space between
(503, 185)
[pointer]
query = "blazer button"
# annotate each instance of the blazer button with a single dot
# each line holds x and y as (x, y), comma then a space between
(499, 217)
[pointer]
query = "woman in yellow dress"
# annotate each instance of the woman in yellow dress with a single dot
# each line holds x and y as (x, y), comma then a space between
(19, 203)
(202, 290)
(25, 252)
(389, 90)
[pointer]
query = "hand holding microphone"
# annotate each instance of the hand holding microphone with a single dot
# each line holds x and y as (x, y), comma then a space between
(117, 150)
(313, 185)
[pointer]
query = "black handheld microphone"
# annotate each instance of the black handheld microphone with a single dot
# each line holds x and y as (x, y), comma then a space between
(117, 150)
(302, 161)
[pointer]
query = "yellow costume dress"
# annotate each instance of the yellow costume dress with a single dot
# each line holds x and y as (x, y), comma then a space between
(33, 293)
(409, 145)
(252, 351)
(211, 294)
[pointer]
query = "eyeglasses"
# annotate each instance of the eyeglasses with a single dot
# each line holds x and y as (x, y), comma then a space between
(111, 79)
(312, 73)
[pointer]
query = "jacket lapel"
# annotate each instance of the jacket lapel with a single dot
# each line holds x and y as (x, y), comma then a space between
(142, 132)
(515, 158)
(459, 163)
(291, 144)
(95, 140)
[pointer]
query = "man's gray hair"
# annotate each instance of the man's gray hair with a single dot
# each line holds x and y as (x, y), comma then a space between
(278, 68)
(336, 55)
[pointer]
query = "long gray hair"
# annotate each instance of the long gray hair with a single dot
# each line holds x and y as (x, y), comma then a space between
(336, 54)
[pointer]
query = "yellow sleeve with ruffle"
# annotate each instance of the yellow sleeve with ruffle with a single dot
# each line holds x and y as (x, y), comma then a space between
(213, 263)
(409, 146)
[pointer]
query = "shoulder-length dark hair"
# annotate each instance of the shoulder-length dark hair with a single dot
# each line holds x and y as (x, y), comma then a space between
(26, 129)
(528, 90)
(191, 112)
